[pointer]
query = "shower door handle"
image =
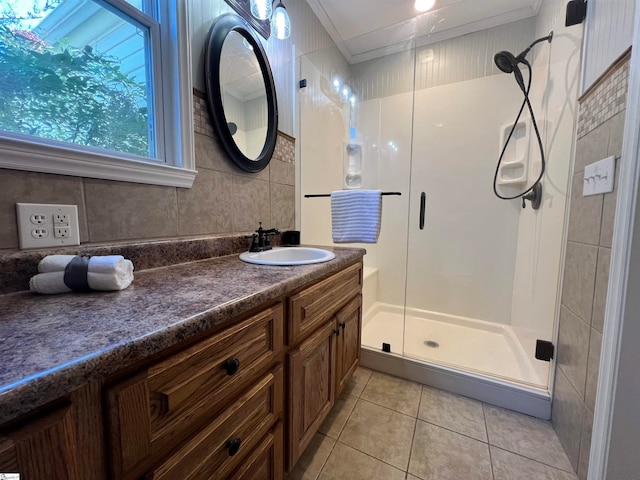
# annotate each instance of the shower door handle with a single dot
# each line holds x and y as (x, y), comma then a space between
(423, 204)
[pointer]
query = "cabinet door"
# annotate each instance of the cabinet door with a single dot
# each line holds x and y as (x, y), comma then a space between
(43, 449)
(348, 342)
(311, 388)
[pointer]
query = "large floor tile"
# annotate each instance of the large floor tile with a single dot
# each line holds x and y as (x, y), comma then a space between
(338, 416)
(380, 432)
(345, 463)
(439, 454)
(454, 412)
(509, 466)
(357, 382)
(392, 392)
(527, 436)
(313, 459)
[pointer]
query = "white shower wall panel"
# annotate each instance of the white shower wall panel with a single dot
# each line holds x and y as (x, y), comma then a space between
(554, 98)
(463, 262)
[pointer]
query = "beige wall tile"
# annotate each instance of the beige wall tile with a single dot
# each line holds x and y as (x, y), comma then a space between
(593, 366)
(579, 279)
(283, 206)
(567, 417)
(206, 207)
(573, 349)
(585, 444)
(282, 172)
(602, 283)
(209, 154)
(251, 204)
(592, 147)
(609, 212)
(585, 214)
(121, 210)
(616, 134)
(31, 187)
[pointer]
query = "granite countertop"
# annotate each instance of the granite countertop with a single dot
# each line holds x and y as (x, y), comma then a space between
(52, 344)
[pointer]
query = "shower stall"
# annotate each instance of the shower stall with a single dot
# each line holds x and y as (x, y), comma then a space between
(461, 285)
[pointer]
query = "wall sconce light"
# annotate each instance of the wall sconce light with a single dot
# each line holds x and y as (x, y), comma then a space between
(280, 22)
(261, 9)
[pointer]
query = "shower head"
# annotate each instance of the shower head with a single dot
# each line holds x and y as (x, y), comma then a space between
(505, 61)
(508, 63)
(233, 128)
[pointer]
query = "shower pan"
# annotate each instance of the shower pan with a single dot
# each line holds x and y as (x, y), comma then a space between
(461, 285)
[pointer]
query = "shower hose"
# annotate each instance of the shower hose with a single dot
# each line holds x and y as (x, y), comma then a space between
(526, 103)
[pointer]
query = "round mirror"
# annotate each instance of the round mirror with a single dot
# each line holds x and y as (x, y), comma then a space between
(241, 93)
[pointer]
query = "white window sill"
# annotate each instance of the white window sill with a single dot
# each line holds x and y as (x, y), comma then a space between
(43, 158)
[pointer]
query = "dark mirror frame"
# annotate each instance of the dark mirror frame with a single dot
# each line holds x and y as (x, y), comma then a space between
(221, 27)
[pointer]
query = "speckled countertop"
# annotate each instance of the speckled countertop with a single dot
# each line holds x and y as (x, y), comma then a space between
(53, 344)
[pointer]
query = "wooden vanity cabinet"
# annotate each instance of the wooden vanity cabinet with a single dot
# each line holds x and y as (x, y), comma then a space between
(241, 404)
(326, 317)
(199, 396)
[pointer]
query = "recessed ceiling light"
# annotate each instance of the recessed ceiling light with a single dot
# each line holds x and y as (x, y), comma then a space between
(424, 5)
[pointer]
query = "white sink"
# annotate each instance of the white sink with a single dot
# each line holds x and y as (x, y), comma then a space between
(288, 256)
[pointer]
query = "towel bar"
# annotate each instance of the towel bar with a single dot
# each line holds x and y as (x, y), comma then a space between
(316, 195)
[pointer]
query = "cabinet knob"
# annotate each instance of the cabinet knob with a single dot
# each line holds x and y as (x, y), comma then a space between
(343, 324)
(233, 446)
(337, 332)
(231, 366)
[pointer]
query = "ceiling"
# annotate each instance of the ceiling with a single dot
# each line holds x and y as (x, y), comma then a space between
(366, 29)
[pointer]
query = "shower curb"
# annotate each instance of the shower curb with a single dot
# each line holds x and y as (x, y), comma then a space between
(535, 403)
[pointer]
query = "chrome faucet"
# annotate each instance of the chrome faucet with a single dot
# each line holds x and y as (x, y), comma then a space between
(260, 240)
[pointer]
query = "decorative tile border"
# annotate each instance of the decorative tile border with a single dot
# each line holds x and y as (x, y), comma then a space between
(285, 148)
(606, 98)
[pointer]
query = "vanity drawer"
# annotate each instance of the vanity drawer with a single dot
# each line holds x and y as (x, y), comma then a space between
(223, 445)
(154, 411)
(266, 460)
(311, 307)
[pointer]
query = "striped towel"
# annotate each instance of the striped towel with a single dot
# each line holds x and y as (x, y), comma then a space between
(355, 215)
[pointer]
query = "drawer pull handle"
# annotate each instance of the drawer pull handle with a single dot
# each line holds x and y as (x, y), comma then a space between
(231, 366)
(343, 325)
(233, 446)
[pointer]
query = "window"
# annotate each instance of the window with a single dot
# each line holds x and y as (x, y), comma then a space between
(97, 88)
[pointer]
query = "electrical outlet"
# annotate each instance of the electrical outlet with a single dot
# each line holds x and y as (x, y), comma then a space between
(61, 219)
(38, 219)
(61, 232)
(39, 233)
(42, 226)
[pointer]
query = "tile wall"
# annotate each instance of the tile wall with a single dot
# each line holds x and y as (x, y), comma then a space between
(223, 199)
(586, 271)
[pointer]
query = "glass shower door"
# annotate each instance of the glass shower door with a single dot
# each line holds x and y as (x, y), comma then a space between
(462, 241)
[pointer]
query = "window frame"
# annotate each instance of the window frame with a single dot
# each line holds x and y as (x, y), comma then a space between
(173, 115)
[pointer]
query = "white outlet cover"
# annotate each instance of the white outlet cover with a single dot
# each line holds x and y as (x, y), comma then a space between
(26, 226)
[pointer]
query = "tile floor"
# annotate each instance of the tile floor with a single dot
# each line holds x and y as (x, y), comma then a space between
(387, 428)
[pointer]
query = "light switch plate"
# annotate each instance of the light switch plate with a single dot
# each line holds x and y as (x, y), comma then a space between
(42, 226)
(599, 177)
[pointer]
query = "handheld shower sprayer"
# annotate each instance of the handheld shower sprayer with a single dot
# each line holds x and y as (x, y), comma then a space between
(509, 63)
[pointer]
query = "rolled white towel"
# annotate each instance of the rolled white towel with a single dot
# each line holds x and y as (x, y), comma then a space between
(116, 273)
